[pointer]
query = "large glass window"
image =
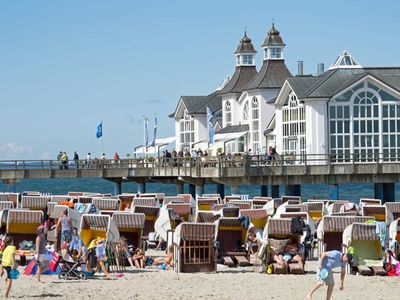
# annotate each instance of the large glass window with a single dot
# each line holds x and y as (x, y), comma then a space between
(294, 128)
(228, 113)
(364, 121)
(276, 53)
(246, 111)
(186, 131)
(255, 113)
(247, 59)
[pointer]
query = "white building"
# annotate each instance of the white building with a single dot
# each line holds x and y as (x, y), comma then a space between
(243, 106)
(348, 111)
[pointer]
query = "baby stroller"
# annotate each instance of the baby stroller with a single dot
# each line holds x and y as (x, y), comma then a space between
(71, 269)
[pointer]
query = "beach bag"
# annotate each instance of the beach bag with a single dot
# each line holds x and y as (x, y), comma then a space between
(55, 258)
(92, 259)
(297, 225)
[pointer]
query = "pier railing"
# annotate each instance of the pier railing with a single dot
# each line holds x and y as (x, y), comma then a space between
(188, 165)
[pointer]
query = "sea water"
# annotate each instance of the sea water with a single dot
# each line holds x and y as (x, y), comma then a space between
(351, 192)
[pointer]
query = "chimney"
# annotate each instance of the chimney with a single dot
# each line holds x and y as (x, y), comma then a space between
(320, 68)
(300, 68)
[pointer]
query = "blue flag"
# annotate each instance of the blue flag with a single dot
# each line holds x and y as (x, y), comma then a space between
(210, 126)
(99, 131)
(146, 132)
(153, 142)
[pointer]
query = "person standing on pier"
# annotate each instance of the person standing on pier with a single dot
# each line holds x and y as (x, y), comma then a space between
(59, 159)
(64, 160)
(88, 160)
(76, 160)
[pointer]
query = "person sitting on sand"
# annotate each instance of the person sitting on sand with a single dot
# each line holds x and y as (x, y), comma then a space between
(139, 258)
(328, 261)
(252, 240)
(167, 260)
(122, 251)
(41, 258)
(289, 253)
(8, 262)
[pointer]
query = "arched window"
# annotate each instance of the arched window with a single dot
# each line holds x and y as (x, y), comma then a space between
(255, 113)
(294, 127)
(228, 113)
(364, 121)
(246, 111)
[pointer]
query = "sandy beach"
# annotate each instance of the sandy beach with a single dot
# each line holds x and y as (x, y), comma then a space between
(228, 283)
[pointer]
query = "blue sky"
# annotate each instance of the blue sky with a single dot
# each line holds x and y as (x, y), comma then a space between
(66, 66)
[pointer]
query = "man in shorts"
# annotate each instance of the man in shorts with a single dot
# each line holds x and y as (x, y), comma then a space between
(328, 261)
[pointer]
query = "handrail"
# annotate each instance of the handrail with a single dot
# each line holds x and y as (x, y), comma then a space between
(188, 165)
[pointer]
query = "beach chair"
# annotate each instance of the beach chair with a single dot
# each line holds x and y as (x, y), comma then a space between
(279, 230)
(259, 202)
(173, 199)
(272, 206)
(35, 202)
(367, 201)
(183, 210)
(106, 205)
(211, 195)
(316, 210)
(394, 208)
(98, 226)
(258, 219)
(206, 203)
(231, 237)
(152, 202)
(61, 198)
(31, 193)
(151, 215)
(186, 197)
(23, 224)
(75, 194)
(346, 213)
(381, 213)
(126, 200)
(85, 199)
(230, 198)
(194, 247)
(158, 196)
(242, 204)
(330, 231)
(291, 199)
(13, 197)
(367, 248)
(5, 206)
(130, 226)
(335, 207)
(206, 216)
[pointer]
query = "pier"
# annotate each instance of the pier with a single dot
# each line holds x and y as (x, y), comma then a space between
(257, 170)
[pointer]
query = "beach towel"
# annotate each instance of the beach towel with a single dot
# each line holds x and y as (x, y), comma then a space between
(31, 268)
(381, 231)
(55, 258)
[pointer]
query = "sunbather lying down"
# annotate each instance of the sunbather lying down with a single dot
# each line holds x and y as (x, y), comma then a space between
(167, 260)
(289, 253)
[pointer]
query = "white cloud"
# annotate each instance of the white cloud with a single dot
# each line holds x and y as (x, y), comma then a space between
(13, 151)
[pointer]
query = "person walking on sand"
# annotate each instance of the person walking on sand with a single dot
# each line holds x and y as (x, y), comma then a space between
(8, 262)
(328, 261)
(40, 255)
(64, 224)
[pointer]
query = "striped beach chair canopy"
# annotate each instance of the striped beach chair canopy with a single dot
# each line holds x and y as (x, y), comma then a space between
(294, 208)
(22, 216)
(75, 194)
(363, 232)
(6, 205)
(61, 198)
(147, 201)
(35, 202)
(367, 201)
(197, 232)
(336, 206)
(95, 222)
(337, 223)
(230, 211)
(279, 226)
(291, 199)
(92, 195)
(394, 207)
(229, 222)
(262, 199)
(146, 210)
(13, 197)
(129, 220)
(345, 213)
(174, 199)
(57, 211)
(259, 202)
(126, 197)
(50, 207)
(106, 203)
(211, 195)
(181, 209)
(207, 201)
(85, 199)
(31, 193)
(379, 212)
(206, 217)
(242, 204)
(187, 197)
(254, 214)
(229, 198)
(313, 206)
(291, 215)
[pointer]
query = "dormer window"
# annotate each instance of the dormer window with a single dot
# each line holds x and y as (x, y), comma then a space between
(273, 53)
(247, 59)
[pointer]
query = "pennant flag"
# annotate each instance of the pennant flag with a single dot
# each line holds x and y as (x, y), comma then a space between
(153, 142)
(210, 126)
(99, 131)
(146, 132)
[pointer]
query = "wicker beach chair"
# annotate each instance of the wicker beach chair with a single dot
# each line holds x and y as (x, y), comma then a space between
(35, 202)
(194, 247)
(13, 197)
(381, 213)
(130, 226)
(98, 226)
(394, 208)
(23, 224)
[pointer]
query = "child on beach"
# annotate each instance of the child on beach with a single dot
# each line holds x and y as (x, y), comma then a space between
(102, 258)
(167, 260)
(41, 259)
(8, 262)
(139, 258)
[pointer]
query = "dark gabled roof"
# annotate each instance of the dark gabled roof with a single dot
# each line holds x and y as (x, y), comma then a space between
(192, 102)
(333, 81)
(245, 45)
(242, 76)
(234, 128)
(273, 38)
(213, 102)
(272, 75)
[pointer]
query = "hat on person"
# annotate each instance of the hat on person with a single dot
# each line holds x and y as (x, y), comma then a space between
(349, 257)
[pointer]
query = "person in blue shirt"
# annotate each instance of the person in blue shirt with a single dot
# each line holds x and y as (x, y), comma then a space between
(328, 261)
